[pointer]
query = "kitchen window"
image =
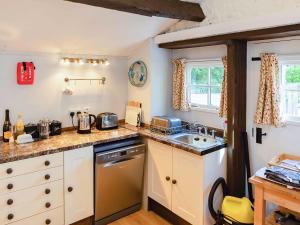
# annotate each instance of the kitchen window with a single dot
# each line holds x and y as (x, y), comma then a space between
(204, 84)
(290, 90)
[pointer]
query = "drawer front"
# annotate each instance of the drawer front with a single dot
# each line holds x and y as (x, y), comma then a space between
(55, 217)
(31, 208)
(13, 184)
(23, 197)
(25, 166)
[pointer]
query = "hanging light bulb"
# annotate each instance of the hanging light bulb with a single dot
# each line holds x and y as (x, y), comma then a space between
(106, 62)
(66, 61)
(81, 62)
(95, 62)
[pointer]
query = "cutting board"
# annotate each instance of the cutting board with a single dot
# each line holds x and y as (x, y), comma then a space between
(133, 115)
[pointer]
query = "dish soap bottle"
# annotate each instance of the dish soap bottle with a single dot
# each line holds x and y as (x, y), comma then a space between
(19, 125)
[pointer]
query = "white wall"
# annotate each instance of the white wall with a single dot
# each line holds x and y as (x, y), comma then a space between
(45, 98)
(278, 140)
(206, 118)
(155, 94)
(217, 11)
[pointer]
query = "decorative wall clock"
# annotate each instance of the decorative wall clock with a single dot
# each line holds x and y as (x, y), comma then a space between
(138, 74)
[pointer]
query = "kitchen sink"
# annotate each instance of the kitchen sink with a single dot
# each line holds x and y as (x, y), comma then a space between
(195, 140)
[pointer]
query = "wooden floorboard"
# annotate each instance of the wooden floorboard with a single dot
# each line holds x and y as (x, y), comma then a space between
(141, 218)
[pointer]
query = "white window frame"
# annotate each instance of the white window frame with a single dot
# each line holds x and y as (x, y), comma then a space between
(202, 63)
(293, 120)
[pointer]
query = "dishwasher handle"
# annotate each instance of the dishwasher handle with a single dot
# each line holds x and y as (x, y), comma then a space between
(118, 162)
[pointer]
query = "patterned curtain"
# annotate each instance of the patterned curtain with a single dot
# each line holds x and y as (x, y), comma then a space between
(223, 103)
(179, 86)
(267, 111)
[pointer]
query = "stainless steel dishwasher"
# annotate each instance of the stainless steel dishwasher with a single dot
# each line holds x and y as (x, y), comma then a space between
(119, 170)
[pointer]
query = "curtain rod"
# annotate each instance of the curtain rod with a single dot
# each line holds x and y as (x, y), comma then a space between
(286, 55)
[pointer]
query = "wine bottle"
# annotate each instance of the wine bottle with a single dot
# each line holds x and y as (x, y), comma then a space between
(7, 127)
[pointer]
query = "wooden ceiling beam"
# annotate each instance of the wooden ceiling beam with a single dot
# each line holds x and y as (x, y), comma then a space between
(253, 35)
(174, 9)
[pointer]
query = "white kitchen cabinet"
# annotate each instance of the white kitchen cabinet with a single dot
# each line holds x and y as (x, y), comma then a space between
(187, 190)
(191, 178)
(160, 173)
(78, 184)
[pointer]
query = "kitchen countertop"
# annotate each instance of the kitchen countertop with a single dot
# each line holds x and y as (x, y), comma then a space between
(67, 141)
(165, 139)
(71, 140)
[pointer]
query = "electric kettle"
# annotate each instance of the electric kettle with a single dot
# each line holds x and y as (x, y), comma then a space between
(85, 123)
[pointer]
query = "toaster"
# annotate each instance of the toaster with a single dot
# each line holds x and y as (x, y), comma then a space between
(106, 121)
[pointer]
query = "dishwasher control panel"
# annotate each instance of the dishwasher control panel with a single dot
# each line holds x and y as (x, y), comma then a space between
(118, 154)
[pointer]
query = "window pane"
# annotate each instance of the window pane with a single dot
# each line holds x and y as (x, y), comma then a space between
(215, 96)
(292, 103)
(199, 75)
(199, 95)
(216, 75)
(292, 73)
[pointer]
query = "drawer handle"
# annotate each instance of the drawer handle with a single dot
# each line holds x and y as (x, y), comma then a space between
(70, 189)
(168, 178)
(47, 191)
(48, 221)
(48, 205)
(47, 163)
(47, 177)
(9, 171)
(10, 202)
(174, 181)
(10, 216)
(10, 186)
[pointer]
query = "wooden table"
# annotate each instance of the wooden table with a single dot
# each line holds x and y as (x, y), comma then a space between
(275, 193)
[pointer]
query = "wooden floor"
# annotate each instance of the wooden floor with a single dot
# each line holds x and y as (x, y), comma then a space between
(141, 218)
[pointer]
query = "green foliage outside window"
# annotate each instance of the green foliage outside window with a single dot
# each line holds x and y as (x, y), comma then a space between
(293, 74)
(200, 76)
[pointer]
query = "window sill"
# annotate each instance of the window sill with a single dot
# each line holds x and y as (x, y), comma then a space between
(292, 123)
(207, 110)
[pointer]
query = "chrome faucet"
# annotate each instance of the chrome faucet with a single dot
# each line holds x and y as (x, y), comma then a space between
(213, 134)
(205, 131)
(200, 128)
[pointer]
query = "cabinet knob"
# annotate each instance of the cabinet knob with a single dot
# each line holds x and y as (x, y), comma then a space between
(48, 221)
(10, 186)
(10, 216)
(47, 191)
(168, 178)
(174, 181)
(47, 163)
(9, 171)
(70, 189)
(48, 205)
(47, 177)
(10, 202)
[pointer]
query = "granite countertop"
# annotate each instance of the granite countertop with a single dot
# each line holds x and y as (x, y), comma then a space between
(67, 141)
(71, 140)
(165, 139)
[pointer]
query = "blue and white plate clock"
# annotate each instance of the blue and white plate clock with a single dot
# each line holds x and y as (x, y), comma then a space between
(138, 74)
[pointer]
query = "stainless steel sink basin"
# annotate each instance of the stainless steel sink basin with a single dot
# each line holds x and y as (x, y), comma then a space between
(195, 140)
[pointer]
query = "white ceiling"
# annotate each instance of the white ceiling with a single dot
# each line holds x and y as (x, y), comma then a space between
(57, 26)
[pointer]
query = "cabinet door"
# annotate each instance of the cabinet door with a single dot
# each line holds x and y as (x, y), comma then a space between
(79, 187)
(187, 190)
(160, 173)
